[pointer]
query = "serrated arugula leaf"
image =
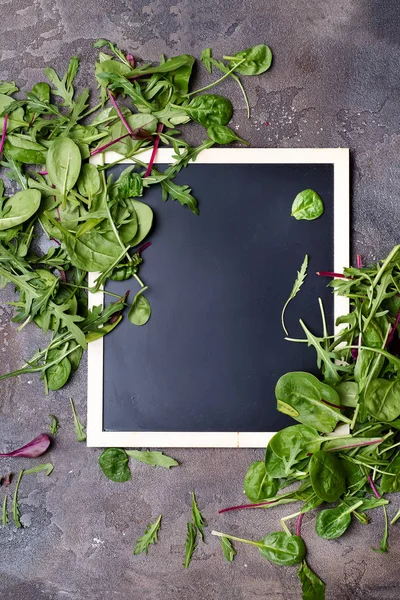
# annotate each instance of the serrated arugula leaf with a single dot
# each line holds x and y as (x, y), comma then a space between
(15, 506)
(301, 275)
(149, 537)
(153, 458)
(63, 87)
(198, 520)
(54, 425)
(190, 544)
(181, 193)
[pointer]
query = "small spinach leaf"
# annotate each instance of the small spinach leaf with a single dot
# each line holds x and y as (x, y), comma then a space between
(327, 476)
(258, 485)
(140, 310)
(114, 464)
(307, 206)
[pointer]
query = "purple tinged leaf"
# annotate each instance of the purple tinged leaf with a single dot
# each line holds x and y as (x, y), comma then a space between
(3, 135)
(35, 448)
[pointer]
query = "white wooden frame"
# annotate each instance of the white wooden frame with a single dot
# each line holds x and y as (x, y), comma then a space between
(339, 157)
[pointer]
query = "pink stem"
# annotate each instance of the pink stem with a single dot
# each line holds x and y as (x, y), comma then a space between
(43, 172)
(332, 274)
(131, 60)
(105, 146)
(56, 241)
(121, 116)
(359, 262)
(142, 248)
(393, 329)
(245, 506)
(371, 483)
(3, 135)
(330, 404)
(63, 276)
(298, 524)
(360, 445)
(160, 127)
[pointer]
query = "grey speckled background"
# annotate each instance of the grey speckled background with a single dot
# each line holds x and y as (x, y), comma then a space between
(335, 82)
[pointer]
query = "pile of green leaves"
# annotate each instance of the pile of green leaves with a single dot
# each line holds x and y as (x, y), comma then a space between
(94, 223)
(346, 472)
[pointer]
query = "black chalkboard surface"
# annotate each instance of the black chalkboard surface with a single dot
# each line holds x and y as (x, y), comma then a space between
(209, 358)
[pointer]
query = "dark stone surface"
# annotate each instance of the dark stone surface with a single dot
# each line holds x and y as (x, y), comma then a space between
(334, 83)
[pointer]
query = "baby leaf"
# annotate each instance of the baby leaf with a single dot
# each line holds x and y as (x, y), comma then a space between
(258, 485)
(228, 549)
(54, 425)
(153, 458)
(282, 549)
(24, 150)
(331, 523)
(58, 374)
(114, 464)
(257, 60)
(306, 399)
(150, 536)
(19, 208)
(301, 275)
(391, 483)
(209, 109)
(48, 468)
(145, 221)
(198, 520)
(220, 134)
(88, 181)
(382, 399)
(130, 186)
(79, 428)
(313, 587)
(289, 446)
(190, 544)
(307, 206)
(140, 311)
(63, 164)
(327, 476)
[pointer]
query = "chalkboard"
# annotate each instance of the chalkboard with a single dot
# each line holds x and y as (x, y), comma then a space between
(208, 360)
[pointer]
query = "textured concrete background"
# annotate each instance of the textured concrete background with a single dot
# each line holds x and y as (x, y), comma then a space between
(335, 82)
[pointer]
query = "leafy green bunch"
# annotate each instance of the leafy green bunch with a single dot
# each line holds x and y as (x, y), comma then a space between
(346, 471)
(93, 223)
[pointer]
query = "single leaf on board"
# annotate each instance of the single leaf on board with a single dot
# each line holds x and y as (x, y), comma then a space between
(149, 537)
(301, 275)
(307, 206)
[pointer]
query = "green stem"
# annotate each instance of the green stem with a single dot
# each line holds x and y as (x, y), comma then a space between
(352, 508)
(25, 370)
(395, 518)
(244, 95)
(287, 518)
(210, 85)
(140, 282)
(236, 539)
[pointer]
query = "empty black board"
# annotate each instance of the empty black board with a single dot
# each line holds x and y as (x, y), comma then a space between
(210, 356)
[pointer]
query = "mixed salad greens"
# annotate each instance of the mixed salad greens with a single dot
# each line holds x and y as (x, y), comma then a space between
(93, 223)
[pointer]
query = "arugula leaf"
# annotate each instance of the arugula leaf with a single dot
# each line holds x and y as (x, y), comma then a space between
(181, 193)
(190, 544)
(198, 520)
(4, 511)
(149, 537)
(301, 275)
(79, 428)
(15, 507)
(63, 87)
(153, 458)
